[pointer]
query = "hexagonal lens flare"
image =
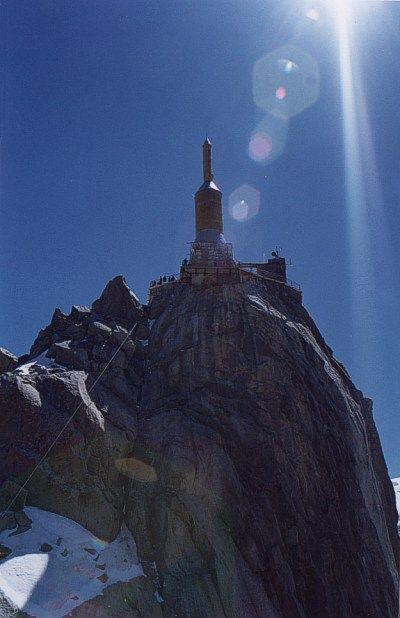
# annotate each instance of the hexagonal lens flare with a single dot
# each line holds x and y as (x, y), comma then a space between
(285, 81)
(244, 203)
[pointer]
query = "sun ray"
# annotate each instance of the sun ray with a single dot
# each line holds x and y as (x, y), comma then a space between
(359, 175)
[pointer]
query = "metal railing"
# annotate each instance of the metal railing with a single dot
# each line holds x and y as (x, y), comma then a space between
(252, 268)
(246, 267)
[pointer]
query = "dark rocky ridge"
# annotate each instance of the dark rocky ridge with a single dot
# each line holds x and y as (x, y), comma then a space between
(79, 479)
(237, 450)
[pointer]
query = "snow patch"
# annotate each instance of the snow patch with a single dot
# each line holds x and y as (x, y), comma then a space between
(257, 301)
(57, 564)
(42, 361)
(24, 571)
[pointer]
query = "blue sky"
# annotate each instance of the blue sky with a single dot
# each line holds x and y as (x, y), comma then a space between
(105, 106)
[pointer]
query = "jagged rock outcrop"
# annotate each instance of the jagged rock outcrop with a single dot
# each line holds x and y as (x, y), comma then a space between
(64, 379)
(234, 447)
(8, 361)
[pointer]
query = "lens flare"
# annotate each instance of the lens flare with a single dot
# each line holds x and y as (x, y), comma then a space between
(98, 544)
(280, 93)
(288, 66)
(244, 203)
(260, 146)
(364, 204)
(240, 210)
(136, 469)
(313, 14)
(268, 139)
(285, 81)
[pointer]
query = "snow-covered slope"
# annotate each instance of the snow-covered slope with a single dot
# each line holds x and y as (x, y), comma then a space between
(57, 564)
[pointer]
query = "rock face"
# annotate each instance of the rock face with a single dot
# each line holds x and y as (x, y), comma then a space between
(233, 446)
(8, 361)
(64, 379)
(272, 497)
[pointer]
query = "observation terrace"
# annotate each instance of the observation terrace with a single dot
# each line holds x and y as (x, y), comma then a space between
(272, 273)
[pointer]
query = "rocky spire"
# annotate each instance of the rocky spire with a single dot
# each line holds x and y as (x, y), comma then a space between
(207, 170)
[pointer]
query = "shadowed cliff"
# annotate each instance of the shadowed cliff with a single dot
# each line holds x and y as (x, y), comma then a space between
(235, 448)
(273, 497)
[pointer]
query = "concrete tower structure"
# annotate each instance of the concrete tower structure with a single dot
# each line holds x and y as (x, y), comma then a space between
(208, 203)
(211, 260)
(209, 248)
